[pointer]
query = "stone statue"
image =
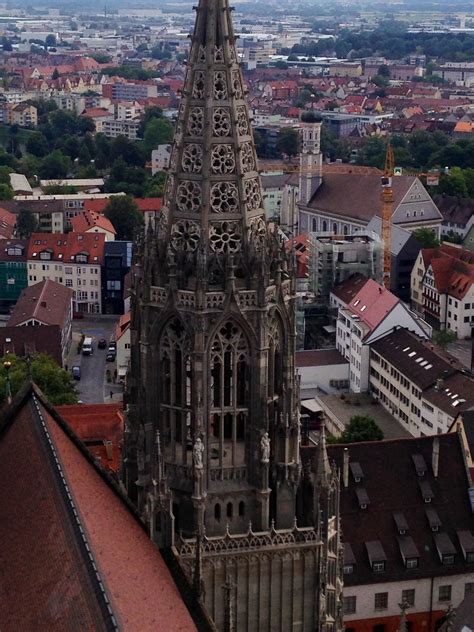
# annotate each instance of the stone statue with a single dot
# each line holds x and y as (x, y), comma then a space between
(198, 449)
(265, 448)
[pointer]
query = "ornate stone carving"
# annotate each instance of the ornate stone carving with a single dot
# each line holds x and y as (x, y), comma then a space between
(253, 194)
(242, 121)
(219, 54)
(247, 157)
(222, 159)
(224, 197)
(215, 300)
(198, 450)
(220, 85)
(258, 231)
(192, 158)
(188, 196)
(237, 85)
(185, 235)
(169, 188)
(265, 448)
(195, 121)
(201, 58)
(221, 125)
(174, 158)
(224, 237)
(199, 86)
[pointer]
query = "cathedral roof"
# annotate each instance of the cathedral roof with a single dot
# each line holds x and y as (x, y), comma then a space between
(213, 195)
(74, 555)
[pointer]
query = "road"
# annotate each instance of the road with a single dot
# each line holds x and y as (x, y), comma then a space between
(93, 387)
(461, 349)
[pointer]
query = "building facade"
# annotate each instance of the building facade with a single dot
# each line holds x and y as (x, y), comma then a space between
(13, 271)
(212, 446)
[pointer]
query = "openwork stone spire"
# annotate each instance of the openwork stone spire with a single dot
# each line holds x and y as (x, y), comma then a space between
(213, 199)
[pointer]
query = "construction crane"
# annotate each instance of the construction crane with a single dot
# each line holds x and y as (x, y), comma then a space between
(387, 212)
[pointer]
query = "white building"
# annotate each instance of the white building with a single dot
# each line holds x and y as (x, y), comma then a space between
(160, 158)
(369, 315)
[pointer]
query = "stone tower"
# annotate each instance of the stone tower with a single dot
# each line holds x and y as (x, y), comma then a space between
(212, 442)
(311, 159)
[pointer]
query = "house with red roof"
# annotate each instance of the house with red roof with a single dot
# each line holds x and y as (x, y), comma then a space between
(7, 224)
(72, 259)
(92, 222)
(75, 553)
(442, 288)
(369, 314)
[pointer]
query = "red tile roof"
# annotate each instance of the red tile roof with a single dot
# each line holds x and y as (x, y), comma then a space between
(47, 577)
(47, 302)
(65, 247)
(346, 290)
(7, 223)
(88, 220)
(122, 325)
(453, 269)
(372, 303)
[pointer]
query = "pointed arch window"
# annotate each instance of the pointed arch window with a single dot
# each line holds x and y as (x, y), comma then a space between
(229, 393)
(175, 380)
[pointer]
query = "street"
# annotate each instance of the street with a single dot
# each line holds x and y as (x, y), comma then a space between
(93, 386)
(461, 349)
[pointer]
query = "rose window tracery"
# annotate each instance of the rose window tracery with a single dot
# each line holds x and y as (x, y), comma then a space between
(224, 197)
(220, 85)
(185, 235)
(253, 194)
(237, 85)
(225, 237)
(221, 122)
(242, 121)
(188, 196)
(196, 121)
(247, 157)
(199, 86)
(222, 159)
(192, 158)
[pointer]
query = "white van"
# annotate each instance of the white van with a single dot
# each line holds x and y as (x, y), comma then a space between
(87, 348)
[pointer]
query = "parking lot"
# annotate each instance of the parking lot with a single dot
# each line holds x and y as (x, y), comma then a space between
(94, 385)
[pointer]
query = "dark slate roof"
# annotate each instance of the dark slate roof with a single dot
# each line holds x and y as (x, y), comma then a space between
(346, 290)
(22, 341)
(394, 489)
(319, 357)
(455, 209)
(402, 349)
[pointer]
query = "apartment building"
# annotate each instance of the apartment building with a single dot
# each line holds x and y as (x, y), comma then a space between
(406, 510)
(92, 222)
(370, 314)
(115, 128)
(442, 288)
(13, 271)
(422, 387)
(72, 259)
(21, 114)
(126, 91)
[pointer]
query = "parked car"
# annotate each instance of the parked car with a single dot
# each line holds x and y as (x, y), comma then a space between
(102, 344)
(87, 346)
(111, 355)
(112, 345)
(76, 372)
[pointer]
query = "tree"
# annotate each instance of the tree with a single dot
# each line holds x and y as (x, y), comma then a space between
(426, 237)
(54, 165)
(6, 192)
(50, 40)
(55, 74)
(37, 145)
(361, 428)
(124, 215)
(444, 338)
(384, 71)
(26, 223)
(288, 141)
(56, 384)
(157, 132)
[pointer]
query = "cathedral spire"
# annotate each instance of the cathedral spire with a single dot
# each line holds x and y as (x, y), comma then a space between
(213, 197)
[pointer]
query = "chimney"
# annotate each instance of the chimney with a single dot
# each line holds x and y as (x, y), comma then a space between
(345, 468)
(435, 457)
(439, 384)
(109, 450)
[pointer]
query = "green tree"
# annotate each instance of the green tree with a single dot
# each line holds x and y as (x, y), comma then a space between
(55, 74)
(124, 215)
(454, 183)
(6, 192)
(384, 71)
(56, 384)
(50, 40)
(157, 132)
(361, 428)
(84, 155)
(26, 223)
(426, 237)
(55, 165)
(37, 145)
(288, 141)
(444, 338)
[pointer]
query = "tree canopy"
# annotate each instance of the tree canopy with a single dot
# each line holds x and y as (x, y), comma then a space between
(288, 141)
(361, 428)
(426, 237)
(25, 223)
(124, 215)
(56, 384)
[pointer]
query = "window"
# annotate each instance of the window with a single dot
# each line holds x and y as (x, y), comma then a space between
(378, 567)
(469, 589)
(444, 593)
(381, 601)
(448, 560)
(350, 604)
(348, 569)
(241, 508)
(408, 596)
(378, 628)
(412, 562)
(230, 510)
(217, 512)
(68, 282)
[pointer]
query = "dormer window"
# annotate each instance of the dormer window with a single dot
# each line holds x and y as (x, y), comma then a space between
(15, 251)
(362, 497)
(46, 255)
(466, 541)
(378, 567)
(357, 472)
(81, 258)
(377, 557)
(349, 559)
(446, 550)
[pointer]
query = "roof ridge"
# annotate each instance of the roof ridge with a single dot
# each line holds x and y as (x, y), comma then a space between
(105, 605)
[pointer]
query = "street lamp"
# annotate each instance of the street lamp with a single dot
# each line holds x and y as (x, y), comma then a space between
(7, 365)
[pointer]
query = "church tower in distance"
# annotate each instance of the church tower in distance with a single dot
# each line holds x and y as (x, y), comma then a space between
(212, 442)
